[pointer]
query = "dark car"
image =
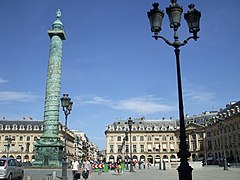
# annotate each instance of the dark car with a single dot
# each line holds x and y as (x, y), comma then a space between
(10, 168)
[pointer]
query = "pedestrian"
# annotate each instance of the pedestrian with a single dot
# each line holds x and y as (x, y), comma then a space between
(119, 167)
(144, 164)
(148, 164)
(86, 169)
(75, 169)
(134, 164)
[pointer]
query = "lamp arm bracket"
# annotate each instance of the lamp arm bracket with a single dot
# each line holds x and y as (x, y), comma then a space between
(186, 40)
(165, 40)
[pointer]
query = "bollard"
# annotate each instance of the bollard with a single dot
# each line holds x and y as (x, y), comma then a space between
(29, 178)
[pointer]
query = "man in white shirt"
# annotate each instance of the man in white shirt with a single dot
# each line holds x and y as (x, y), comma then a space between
(75, 168)
(86, 169)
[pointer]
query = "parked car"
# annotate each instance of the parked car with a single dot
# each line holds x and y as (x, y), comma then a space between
(10, 168)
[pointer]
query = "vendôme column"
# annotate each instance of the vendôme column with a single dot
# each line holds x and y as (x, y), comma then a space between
(49, 148)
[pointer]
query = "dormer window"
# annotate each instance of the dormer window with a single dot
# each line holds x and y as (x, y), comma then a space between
(29, 127)
(14, 127)
(36, 127)
(1, 127)
(21, 127)
(7, 127)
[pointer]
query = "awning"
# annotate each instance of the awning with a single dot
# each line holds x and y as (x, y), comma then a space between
(200, 158)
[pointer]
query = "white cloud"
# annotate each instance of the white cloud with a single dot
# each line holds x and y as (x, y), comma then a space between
(13, 96)
(199, 95)
(143, 105)
(3, 81)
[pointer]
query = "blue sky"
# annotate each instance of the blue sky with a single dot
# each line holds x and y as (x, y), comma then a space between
(112, 67)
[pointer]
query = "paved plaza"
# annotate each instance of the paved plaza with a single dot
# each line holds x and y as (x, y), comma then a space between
(204, 173)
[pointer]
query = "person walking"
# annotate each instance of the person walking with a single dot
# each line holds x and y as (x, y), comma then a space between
(119, 168)
(75, 169)
(86, 169)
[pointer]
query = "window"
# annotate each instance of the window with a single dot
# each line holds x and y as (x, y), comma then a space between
(142, 148)
(164, 147)
(119, 138)
(36, 127)
(35, 138)
(149, 148)
(171, 138)
(149, 138)
(29, 127)
(21, 127)
(7, 127)
(141, 138)
(14, 127)
(111, 138)
(164, 138)
(127, 148)
(134, 148)
(28, 138)
(111, 148)
(20, 138)
(172, 147)
(134, 138)
(119, 149)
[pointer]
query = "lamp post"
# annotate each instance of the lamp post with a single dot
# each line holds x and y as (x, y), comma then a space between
(126, 137)
(130, 122)
(192, 17)
(67, 107)
(225, 167)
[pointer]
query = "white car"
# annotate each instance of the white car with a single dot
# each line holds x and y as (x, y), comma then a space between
(10, 168)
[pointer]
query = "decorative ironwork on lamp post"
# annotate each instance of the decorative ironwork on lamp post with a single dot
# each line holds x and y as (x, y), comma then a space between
(130, 122)
(67, 107)
(192, 17)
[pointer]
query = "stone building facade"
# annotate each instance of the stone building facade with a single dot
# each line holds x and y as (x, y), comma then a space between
(158, 140)
(18, 137)
(223, 135)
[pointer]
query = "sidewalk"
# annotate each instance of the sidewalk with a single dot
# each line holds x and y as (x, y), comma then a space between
(211, 173)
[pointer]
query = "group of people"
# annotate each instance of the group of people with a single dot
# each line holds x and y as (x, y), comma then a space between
(83, 170)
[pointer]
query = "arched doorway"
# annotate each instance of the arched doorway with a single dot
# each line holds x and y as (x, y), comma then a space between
(142, 158)
(157, 158)
(19, 158)
(26, 158)
(135, 158)
(119, 157)
(173, 158)
(111, 159)
(150, 159)
(165, 158)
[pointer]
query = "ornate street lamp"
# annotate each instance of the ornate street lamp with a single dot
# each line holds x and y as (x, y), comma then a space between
(126, 137)
(192, 17)
(130, 122)
(67, 107)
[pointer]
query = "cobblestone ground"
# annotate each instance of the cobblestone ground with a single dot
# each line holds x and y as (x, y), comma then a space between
(210, 173)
